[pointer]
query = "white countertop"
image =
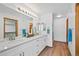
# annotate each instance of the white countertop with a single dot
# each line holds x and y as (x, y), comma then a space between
(6, 44)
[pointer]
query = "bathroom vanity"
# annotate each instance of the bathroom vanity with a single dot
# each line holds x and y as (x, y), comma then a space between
(23, 46)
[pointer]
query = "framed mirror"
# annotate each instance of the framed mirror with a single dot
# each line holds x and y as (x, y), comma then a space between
(10, 27)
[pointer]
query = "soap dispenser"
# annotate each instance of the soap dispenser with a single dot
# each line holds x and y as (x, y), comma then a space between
(24, 32)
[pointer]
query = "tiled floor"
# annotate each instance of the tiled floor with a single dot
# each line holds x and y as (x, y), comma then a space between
(59, 49)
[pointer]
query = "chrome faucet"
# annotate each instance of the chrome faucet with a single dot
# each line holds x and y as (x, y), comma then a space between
(11, 37)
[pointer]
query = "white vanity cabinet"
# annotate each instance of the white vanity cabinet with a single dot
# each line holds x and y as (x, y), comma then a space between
(30, 48)
(34, 47)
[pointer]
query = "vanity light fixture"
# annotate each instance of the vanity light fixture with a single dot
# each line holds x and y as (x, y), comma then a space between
(26, 12)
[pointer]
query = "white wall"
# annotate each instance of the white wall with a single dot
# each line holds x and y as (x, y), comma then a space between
(71, 17)
(23, 21)
(60, 29)
(48, 20)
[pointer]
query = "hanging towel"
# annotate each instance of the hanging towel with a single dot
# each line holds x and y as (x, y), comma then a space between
(69, 35)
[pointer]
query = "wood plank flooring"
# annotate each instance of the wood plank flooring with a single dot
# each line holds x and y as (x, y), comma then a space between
(59, 49)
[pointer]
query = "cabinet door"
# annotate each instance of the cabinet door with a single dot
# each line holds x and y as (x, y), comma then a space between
(45, 40)
(30, 48)
(41, 44)
(28, 51)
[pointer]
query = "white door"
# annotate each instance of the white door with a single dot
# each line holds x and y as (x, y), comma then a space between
(60, 29)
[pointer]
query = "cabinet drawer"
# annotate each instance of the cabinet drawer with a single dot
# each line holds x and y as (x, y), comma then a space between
(10, 52)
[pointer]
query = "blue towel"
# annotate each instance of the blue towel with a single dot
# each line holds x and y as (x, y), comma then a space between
(69, 35)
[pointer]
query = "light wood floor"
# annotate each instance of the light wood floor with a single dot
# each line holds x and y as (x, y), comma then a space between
(59, 49)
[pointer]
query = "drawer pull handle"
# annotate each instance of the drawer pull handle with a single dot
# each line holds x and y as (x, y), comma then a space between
(23, 53)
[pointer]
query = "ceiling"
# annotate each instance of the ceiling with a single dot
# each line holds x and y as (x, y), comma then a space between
(43, 8)
(56, 8)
